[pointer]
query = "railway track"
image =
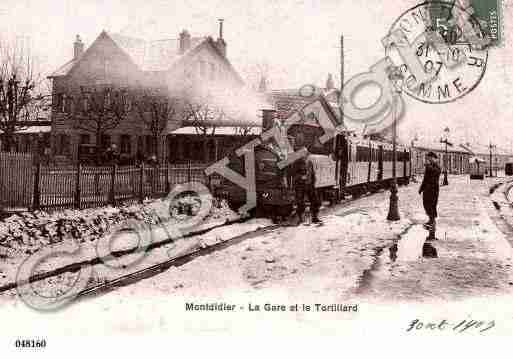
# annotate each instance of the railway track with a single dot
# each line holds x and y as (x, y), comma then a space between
(195, 253)
(176, 261)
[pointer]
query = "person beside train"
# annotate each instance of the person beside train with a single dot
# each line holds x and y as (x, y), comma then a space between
(304, 184)
(430, 189)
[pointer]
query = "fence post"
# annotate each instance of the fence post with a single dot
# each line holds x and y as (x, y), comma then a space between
(189, 174)
(141, 183)
(168, 185)
(112, 194)
(37, 191)
(78, 186)
(154, 179)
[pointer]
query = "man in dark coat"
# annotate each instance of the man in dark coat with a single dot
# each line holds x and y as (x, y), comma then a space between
(304, 184)
(430, 188)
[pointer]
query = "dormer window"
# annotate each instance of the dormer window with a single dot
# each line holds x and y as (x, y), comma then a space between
(85, 103)
(108, 99)
(62, 103)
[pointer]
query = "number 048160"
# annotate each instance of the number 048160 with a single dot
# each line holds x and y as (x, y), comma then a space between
(30, 343)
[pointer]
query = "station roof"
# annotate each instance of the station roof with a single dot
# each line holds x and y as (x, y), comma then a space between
(33, 129)
(223, 131)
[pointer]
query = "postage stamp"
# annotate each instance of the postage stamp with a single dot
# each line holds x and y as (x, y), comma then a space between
(488, 13)
(449, 83)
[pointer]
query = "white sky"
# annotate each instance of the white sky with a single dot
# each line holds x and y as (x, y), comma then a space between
(297, 40)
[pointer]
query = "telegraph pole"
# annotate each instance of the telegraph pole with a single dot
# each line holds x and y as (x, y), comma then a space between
(342, 59)
(491, 146)
(341, 65)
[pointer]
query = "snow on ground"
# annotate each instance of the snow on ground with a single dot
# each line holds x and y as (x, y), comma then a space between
(474, 257)
(356, 257)
(81, 235)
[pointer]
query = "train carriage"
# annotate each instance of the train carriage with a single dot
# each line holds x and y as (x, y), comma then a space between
(343, 165)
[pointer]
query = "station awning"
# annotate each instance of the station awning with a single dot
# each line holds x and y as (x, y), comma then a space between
(223, 131)
(33, 130)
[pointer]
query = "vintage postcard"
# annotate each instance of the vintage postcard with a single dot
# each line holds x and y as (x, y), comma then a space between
(296, 168)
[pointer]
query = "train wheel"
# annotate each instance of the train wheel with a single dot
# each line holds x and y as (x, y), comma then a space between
(356, 192)
(234, 206)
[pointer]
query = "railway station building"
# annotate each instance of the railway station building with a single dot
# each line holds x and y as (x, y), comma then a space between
(118, 62)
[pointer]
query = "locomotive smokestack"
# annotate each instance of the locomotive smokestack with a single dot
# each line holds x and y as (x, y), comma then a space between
(221, 28)
(268, 117)
(220, 43)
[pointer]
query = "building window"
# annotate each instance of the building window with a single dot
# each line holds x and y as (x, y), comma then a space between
(127, 102)
(125, 144)
(59, 99)
(105, 142)
(149, 145)
(63, 103)
(107, 99)
(85, 139)
(63, 148)
(68, 105)
(140, 146)
(85, 103)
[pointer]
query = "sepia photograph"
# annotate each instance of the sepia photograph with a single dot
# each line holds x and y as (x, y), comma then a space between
(179, 171)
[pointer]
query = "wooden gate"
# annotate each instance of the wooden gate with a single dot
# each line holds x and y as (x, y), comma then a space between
(16, 181)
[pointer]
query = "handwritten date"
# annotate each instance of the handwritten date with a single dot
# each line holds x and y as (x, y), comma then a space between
(459, 327)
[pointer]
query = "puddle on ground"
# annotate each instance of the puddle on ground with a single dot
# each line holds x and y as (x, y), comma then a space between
(412, 247)
(351, 211)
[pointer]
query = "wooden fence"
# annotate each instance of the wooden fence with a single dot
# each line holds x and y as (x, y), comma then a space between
(16, 180)
(54, 188)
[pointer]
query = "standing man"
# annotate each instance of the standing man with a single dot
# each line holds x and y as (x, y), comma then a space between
(304, 184)
(429, 189)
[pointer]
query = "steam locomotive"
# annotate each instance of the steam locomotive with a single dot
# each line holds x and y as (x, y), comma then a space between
(344, 165)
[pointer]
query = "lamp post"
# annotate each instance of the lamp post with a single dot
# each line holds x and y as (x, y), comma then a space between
(396, 78)
(446, 141)
(413, 140)
(490, 146)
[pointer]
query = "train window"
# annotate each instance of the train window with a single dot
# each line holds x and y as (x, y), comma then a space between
(362, 154)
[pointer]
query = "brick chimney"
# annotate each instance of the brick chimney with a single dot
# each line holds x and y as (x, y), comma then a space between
(185, 41)
(330, 84)
(220, 43)
(78, 48)
(262, 86)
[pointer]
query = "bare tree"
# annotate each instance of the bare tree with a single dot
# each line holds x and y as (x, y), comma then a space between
(98, 111)
(155, 111)
(19, 100)
(205, 117)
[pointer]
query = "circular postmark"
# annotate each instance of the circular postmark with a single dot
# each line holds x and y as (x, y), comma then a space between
(455, 68)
